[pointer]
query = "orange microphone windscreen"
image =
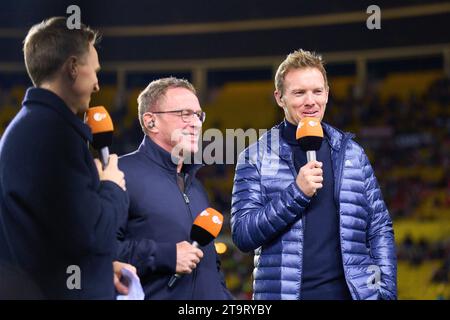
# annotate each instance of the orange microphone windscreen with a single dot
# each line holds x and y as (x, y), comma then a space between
(206, 226)
(309, 134)
(98, 119)
(211, 220)
(309, 127)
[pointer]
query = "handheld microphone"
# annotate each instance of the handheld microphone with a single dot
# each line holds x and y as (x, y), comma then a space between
(205, 229)
(310, 135)
(99, 120)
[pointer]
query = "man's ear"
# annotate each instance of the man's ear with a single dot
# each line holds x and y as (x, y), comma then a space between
(71, 67)
(149, 120)
(279, 98)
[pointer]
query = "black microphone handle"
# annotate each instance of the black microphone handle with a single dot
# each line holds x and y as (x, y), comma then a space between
(177, 276)
(104, 156)
(173, 280)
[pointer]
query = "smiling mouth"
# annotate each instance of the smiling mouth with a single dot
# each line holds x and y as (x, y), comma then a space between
(191, 135)
(310, 113)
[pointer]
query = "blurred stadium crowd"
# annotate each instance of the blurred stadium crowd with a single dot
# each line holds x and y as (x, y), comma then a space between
(402, 120)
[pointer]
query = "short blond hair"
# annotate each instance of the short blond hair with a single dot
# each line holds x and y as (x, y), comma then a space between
(299, 59)
(155, 91)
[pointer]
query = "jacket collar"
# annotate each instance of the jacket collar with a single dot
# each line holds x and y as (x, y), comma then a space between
(332, 135)
(38, 97)
(163, 158)
(335, 137)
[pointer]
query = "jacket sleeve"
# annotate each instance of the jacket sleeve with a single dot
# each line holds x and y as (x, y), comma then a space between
(256, 219)
(148, 256)
(380, 234)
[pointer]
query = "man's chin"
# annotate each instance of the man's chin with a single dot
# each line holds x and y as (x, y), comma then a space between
(83, 108)
(190, 146)
(185, 149)
(190, 150)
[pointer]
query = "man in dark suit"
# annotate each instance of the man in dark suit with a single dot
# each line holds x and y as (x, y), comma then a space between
(59, 209)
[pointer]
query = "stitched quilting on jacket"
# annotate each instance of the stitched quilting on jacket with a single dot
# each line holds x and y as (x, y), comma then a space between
(267, 209)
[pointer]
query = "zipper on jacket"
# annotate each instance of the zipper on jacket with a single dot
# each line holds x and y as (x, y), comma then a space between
(354, 290)
(194, 277)
(187, 201)
(184, 192)
(185, 198)
(337, 188)
(302, 230)
(301, 257)
(194, 273)
(336, 195)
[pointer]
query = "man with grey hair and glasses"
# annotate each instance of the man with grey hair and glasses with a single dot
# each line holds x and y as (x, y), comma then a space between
(166, 197)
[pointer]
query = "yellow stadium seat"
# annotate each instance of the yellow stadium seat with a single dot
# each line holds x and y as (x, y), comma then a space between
(403, 84)
(105, 97)
(414, 282)
(341, 85)
(428, 230)
(243, 105)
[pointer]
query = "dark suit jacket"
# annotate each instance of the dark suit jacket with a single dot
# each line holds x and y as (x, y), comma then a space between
(55, 212)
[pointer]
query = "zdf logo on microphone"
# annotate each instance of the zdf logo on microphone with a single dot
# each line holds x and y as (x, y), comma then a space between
(215, 219)
(99, 116)
(312, 123)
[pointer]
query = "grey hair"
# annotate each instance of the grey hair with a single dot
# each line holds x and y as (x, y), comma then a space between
(156, 90)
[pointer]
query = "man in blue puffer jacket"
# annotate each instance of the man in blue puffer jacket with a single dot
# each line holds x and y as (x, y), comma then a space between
(320, 229)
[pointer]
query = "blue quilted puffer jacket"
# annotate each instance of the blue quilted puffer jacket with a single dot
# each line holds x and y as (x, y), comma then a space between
(267, 211)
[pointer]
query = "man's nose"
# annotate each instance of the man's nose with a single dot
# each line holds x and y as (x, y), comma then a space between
(96, 87)
(196, 121)
(309, 99)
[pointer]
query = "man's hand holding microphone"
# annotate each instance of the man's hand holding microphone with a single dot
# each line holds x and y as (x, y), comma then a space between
(99, 120)
(188, 256)
(111, 172)
(204, 230)
(310, 135)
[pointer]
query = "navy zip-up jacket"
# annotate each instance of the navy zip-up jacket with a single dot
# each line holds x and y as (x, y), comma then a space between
(56, 216)
(160, 216)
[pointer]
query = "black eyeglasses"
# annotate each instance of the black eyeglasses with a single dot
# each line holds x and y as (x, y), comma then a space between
(187, 115)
